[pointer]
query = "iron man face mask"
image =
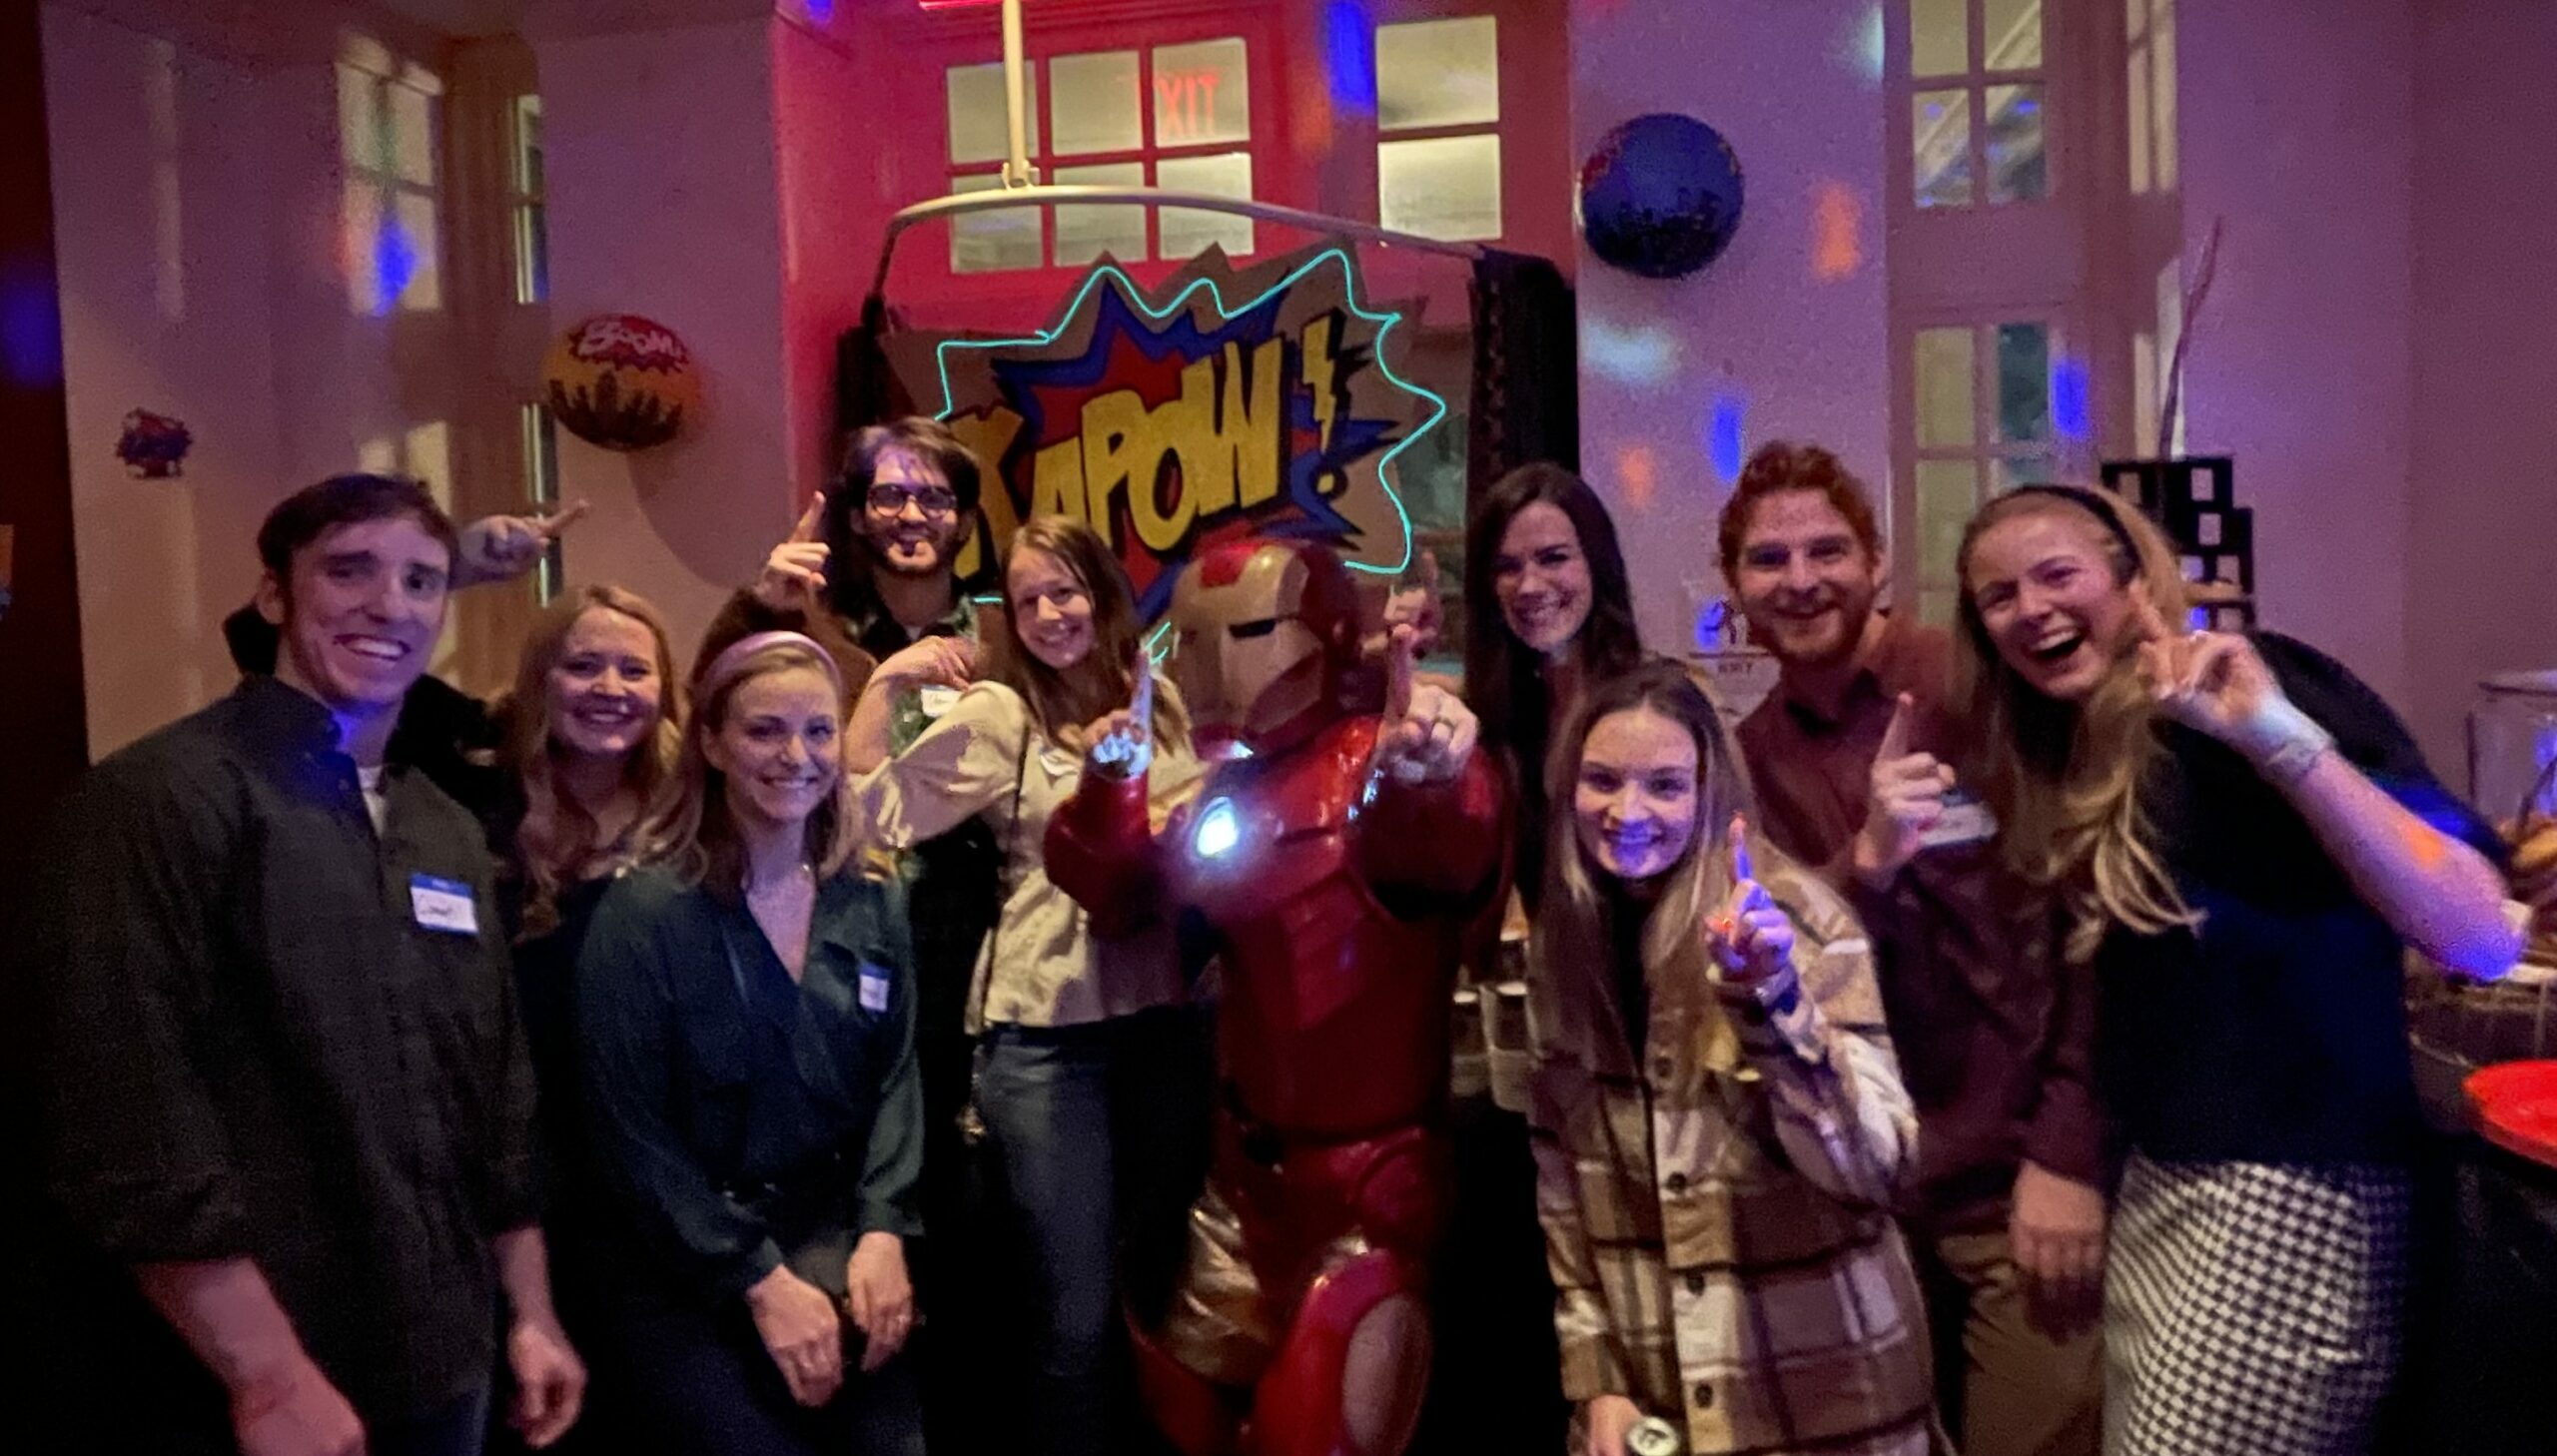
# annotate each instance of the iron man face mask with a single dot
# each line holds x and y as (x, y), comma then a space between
(1266, 634)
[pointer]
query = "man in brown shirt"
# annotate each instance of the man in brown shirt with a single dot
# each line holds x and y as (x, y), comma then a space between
(2005, 1212)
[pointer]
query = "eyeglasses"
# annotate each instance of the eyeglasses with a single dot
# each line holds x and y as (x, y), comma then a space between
(893, 499)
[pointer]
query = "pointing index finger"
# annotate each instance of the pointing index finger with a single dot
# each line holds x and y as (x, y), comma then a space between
(553, 525)
(1400, 668)
(1895, 737)
(1140, 698)
(811, 520)
(1741, 868)
(2152, 625)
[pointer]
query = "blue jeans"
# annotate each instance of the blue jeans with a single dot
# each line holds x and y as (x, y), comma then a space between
(1100, 1135)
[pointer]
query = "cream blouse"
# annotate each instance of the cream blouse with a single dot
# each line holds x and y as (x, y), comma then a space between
(1042, 966)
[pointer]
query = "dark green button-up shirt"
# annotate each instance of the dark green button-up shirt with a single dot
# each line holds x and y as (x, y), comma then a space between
(247, 1040)
(744, 1120)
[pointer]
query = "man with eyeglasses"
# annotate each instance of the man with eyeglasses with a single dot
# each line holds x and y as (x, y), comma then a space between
(868, 569)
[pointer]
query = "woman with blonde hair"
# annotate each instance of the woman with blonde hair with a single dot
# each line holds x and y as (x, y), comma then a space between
(1092, 1072)
(587, 738)
(1718, 1123)
(2242, 837)
(745, 1024)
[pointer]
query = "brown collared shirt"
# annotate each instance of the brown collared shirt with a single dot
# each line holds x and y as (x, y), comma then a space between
(1996, 1036)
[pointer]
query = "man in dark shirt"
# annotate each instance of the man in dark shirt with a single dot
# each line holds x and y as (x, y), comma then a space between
(1995, 1036)
(281, 1089)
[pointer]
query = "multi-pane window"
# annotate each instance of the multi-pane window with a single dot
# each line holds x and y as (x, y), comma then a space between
(1983, 425)
(1978, 105)
(2150, 90)
(390, 120)
(532, 230)
(1178, 117)
(1439, 127)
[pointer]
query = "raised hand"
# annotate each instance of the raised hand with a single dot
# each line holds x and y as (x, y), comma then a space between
(794, 576)
(1415, 605)
(1904, 797)
(1121, 743)
(502, 547)
(1428, 733)
(1750, 938)
(2216, 683)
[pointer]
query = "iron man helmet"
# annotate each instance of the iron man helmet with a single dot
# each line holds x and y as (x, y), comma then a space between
(1267, 640)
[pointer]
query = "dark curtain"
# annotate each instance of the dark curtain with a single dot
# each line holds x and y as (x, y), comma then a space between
(1526, 385)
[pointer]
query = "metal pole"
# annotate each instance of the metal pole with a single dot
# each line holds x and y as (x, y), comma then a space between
(1015, 98)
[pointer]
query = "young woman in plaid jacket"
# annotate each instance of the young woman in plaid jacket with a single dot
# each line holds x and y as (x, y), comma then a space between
(1718, 1120)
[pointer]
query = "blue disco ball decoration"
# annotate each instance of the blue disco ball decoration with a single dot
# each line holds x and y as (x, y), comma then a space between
(1661, 196)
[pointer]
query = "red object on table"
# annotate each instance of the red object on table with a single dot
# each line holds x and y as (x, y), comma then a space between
(2516, 1103)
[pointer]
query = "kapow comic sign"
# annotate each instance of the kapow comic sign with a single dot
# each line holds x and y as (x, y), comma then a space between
(1223, 404)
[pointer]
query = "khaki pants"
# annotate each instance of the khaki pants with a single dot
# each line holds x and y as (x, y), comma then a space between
(2011, 1379)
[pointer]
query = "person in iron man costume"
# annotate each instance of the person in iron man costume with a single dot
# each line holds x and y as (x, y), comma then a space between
(1336, 858)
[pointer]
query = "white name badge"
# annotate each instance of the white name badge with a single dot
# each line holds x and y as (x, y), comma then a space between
(935, 699)
(874, 988)
(442, 905)
(1966, 820)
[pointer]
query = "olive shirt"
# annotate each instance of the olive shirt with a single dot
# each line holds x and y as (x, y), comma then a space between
(743, 1120)
(258, 1028)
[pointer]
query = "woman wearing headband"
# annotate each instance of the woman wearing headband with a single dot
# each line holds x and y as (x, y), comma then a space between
(2241, 836)
(745, 1020)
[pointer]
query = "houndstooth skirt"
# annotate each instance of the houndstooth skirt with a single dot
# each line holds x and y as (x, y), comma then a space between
(2252, 1309)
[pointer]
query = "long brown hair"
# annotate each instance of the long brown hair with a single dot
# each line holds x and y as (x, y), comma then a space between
(1064, 701)
(2063, 777)
(558, 840)
(692, 830)
(1575, 933)
(1504, 680)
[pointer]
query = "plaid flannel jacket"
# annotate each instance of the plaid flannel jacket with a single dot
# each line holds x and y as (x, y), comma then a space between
(1716, 1213)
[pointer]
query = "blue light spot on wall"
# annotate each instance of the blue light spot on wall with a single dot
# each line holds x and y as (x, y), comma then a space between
(821, 11)
(1723, 435)
(30, 326)
(394, 262)
(2069, 399)
(1350, 56)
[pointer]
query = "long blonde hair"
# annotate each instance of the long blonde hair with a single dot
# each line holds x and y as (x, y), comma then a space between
(1065, 701)
(558, 840)
(1575, 913)
(691, 831)
(2063, 777)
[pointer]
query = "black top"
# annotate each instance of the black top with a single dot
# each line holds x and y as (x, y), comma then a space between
(245, 1043)
(2277, 1032)
(742, 1119)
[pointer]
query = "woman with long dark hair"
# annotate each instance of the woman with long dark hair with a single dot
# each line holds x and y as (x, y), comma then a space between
(745, 1022)
(1093, 1071)
(1718, 1123)
(2243, 839)
(1549, 612)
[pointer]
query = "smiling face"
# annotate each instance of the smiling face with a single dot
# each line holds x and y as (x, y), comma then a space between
(910, 516)
(1050, 609)
(1634, 799)
(605, 689)
(361, 613)
(1805, 580)
(2043, 586)
(778, 747)
(1541, 578)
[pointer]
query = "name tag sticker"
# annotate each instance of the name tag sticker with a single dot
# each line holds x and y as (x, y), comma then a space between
(442, 905)
(1966, 820)
(935, 699)
(874, 988)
